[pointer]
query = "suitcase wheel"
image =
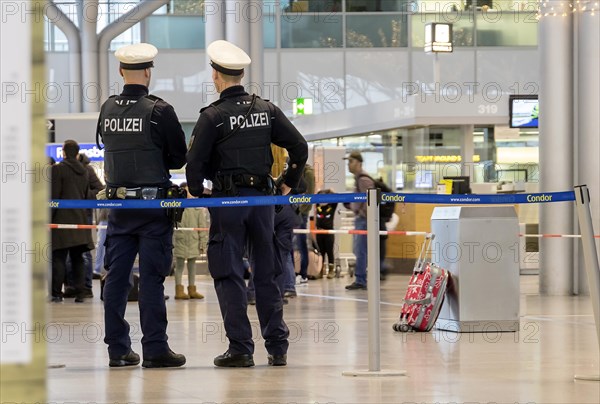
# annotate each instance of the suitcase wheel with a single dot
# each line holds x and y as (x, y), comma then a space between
(400, 327)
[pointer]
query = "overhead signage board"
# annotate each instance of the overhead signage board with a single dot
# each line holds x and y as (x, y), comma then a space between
(89, 149)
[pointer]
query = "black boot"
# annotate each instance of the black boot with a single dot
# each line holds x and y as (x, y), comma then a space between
(331, 271)
(277, 360)
(167, 360)
(229, 360)
(129, 359)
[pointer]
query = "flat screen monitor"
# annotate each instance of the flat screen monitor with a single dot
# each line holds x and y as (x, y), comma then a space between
(523, 111)
(424, 179)
(460, 185)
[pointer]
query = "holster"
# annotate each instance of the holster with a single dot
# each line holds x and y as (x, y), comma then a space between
(224, 184)
(116, 192)
(175, 214)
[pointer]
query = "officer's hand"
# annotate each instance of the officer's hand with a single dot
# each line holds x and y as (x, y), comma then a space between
(196, 192)
(284, 189)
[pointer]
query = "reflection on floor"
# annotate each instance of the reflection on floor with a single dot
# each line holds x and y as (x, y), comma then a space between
(328, 336)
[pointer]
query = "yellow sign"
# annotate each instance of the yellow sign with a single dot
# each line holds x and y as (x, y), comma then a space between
(445, 159)
(447, 184)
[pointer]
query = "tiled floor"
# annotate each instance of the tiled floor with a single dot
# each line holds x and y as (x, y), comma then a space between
(329, 336)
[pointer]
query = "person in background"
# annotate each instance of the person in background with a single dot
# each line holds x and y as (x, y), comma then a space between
(325, 215)
(306, 186)
(362, 182)
(102, 221)
(188, 246)
(94, 187)
(285, 221)
(70, 180)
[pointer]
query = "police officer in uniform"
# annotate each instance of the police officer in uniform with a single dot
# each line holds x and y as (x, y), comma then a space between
(143, 140)
(231, 146)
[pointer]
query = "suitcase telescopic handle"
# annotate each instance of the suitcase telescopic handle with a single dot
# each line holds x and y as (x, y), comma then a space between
(426, 300)
(421, 260)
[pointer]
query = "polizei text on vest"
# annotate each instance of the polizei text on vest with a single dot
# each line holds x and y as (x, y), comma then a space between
(123, 124)
(254, 120)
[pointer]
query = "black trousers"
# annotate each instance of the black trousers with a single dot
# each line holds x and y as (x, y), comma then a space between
(149, 234)
(59, 265)
(325, 243)
(231, 230)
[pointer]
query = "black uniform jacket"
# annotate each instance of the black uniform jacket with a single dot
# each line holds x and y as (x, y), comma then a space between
(167, 133)
(201, 161)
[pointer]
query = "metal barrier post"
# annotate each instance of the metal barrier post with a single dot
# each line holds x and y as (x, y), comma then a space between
(373, 294)
(582, 200)
(373, 281)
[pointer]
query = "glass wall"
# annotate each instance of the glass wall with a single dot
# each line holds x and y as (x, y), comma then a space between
(327, 23)
(378, 5)
(415, 160)
(108, 12)
(376, 31)
(507, 29)
(170, 32)
(298, 6)
(311, 31)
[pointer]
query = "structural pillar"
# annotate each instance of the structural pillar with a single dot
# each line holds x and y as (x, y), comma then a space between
(62, 21)
(255, 16)
(467, 150)
(90, 77)
(556, 148)
(23, 224)
(588, 120)
(237, 28)
(214, 13)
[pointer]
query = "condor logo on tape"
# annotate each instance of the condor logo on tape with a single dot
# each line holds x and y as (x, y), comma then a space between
(393, 198)
(173, 204)
(300, 199)
(539, 198)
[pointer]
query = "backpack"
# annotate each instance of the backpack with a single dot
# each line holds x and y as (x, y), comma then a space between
(386, 209)
(308, 180)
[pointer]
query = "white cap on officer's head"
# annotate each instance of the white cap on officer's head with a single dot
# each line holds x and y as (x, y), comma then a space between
(227, 58)
(136, 57)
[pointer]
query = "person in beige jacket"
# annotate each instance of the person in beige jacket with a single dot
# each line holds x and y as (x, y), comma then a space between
(188, 245)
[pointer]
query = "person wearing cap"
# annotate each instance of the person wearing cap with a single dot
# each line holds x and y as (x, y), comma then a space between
(231, 146)
(143, 139)
(362, 182)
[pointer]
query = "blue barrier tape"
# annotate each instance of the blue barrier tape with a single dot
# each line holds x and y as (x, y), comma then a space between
(492, 199)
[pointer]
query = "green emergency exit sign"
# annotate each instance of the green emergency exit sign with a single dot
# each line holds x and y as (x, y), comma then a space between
(302, 106)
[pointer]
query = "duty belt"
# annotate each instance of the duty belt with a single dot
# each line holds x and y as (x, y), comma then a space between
(250, 181)
(228, 183)
(145, 193)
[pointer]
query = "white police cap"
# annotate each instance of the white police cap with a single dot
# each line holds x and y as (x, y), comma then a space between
(136, 57)
(227, 58)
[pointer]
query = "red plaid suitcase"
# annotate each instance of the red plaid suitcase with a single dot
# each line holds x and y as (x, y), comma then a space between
(425, 294)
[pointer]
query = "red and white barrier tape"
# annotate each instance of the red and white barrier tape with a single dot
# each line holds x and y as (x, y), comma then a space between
(297, 231)
(555, 235)
(309, 231)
